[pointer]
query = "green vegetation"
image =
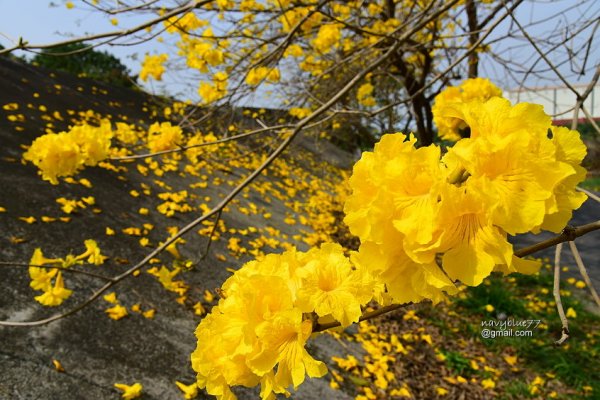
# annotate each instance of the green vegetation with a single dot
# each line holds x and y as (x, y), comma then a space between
(575, 364)
(81, 60)
(587, 130)
(592, 183)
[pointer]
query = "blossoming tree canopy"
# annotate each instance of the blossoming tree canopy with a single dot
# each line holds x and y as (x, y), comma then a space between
(273, 42)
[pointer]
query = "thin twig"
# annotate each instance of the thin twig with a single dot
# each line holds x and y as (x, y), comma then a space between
(59, 267)
(556, 291)
(372, 314)
(583, 272)
(24, 45)
(210, 236)
(590, 194)
(184, 148)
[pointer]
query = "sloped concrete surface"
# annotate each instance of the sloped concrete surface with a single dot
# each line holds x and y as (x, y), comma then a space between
(95, 351)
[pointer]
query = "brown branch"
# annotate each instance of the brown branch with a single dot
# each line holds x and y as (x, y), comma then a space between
(440, 75)
(317, 327)
(581, 99)
(123, 9)
(473, 63)
(568, 234)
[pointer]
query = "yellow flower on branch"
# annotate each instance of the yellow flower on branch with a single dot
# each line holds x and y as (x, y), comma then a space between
(364, 95)
(331, 287)
(184, 23)
(472, 246)
(409, 206)
(152, 66)
(258, 331)
(571, 150)
(392, 210)
(258, 75)
(287, 334)
(475, 90)
(328, 37)
(510, 159)
(164, 136)
(215, 91)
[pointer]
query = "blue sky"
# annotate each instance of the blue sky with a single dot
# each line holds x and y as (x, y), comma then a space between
(40, 23)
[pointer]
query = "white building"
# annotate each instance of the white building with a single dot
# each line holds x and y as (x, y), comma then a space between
(558, 101)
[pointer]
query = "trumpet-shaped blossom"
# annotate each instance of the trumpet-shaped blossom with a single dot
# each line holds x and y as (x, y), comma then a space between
(56, 294)
(258, 331)
(418, 213)
(477, 91)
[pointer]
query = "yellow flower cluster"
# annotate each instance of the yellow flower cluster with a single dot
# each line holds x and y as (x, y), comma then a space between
(184, 24)
(364, 95)
(426, 221)
(476, 89)
(216, 91)
(164, 136)
(257, 332)
(257, 75)
(328, 37)
(65, 153)
(194, 153)
(300, 112)
(41, 278)
(152, 66)
(200, 52)
(126, 133)
(294, 15)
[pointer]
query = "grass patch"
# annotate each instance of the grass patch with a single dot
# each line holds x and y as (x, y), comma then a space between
(592, 183)
(438, 350)
(515, 389)
(574, 367)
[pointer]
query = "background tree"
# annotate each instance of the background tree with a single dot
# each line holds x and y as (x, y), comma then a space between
(85, 61)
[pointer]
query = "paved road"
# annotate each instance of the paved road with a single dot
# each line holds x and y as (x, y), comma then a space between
(588, 245)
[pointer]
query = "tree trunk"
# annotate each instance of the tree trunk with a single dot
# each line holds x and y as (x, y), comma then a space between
(473, 37)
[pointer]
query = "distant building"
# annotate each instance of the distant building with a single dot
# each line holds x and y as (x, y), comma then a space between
(558, 101)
